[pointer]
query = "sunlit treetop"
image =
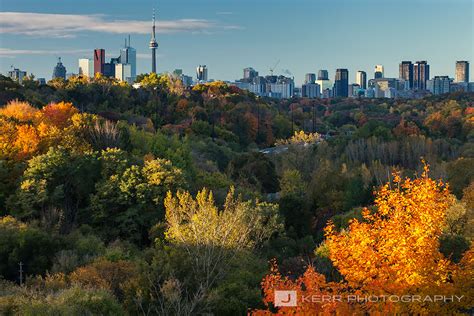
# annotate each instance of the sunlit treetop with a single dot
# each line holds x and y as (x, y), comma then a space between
(300, 138)
(394, 250)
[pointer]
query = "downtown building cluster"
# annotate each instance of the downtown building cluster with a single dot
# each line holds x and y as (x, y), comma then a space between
(272, 86)
(413, 81)
(123, 67)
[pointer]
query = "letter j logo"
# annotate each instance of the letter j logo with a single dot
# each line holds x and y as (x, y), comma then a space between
(285, 298)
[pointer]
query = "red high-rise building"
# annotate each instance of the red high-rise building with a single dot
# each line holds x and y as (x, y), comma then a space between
(99, 60)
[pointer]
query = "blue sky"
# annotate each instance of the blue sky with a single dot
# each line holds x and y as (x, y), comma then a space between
(228, 35)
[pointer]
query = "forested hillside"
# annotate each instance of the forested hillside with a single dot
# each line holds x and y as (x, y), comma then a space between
(167, 200)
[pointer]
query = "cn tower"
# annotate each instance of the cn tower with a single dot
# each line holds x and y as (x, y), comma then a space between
(153, 46)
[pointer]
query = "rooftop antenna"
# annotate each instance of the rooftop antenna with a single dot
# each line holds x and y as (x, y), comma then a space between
(153, 34)
(128, 40)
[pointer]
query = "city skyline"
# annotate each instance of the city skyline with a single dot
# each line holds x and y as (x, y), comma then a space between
(188, 39)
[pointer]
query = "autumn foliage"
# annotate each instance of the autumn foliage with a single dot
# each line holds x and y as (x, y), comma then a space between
(26, 131)
(104, 274)
(58, 114)
(300, 138)
(393, 251)
(21, 111)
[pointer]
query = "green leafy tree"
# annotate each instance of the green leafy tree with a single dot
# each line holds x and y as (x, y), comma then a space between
(55, 187)
(460, 174)
(10, 173)
(73, 300)
(34, 248)
(292, 183)
(130, 196)
(256, 170)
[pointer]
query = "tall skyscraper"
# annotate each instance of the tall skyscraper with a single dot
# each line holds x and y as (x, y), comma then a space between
(378, 72)
(310, 78)
(421, 73)
(99, 60)
(201, 73)
(462, 71)
(250, 73)
(86, 67)
(361, 79)
(153, 46)
(341, 84)
(405, 70)
(128, 55)
(323, 75)
(59, 70)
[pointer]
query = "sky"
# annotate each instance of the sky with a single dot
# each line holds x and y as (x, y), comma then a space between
(229, 35)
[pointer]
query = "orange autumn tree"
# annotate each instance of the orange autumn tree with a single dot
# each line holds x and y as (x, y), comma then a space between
(393, 251)
(62, 124)
(58, 114)
(26, 131)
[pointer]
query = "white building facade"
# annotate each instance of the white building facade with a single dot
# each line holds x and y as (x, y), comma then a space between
(123, 72)
(86, 67)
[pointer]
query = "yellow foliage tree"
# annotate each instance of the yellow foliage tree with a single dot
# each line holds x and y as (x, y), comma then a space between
(393, 251)
(398, 245)
(8, 130)
(198, 222)
(21, 111)
(27, 140)
(300, 138)
(214, 237)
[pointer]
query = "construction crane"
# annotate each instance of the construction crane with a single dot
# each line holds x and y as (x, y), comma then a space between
(274, 66)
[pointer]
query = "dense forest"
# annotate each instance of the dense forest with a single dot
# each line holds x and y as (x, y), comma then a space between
(166, 200)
